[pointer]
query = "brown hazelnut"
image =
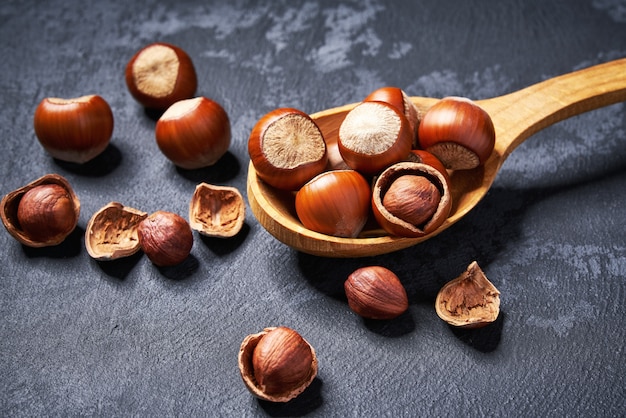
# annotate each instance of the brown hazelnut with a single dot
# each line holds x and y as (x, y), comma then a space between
(376, 292)
(277, 364)
(216, 211)
(112, 232)
(42, 213)
(469, 301)
(166, 238)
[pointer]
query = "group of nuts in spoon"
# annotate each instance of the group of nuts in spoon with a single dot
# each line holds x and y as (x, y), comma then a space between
(383, 141)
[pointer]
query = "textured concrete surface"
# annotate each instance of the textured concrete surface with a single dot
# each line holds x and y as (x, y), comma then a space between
(79, 337)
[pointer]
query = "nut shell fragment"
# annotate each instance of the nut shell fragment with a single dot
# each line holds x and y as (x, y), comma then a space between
(469, 301)
(112, 232)
(217, 211)
(287, 359)
(9, 212)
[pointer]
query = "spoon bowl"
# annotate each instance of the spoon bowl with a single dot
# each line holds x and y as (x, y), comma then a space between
(516, 117)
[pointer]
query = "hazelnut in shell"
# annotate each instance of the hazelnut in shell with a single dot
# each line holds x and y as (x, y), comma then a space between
(411, 199)
(194, 133)
(277, 364)
(469, 301)
(42, 213)
(112, 232)
(74, 130)
(396, 97)
(160, 74)
(287, 148)
(217, 211)
(166, 238)
(376, 292)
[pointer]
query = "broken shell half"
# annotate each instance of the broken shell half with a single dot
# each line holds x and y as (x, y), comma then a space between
(112, 232)
(216, 211)
(469, 301)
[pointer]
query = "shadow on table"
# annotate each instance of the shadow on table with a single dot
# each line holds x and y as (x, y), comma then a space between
(304, 404)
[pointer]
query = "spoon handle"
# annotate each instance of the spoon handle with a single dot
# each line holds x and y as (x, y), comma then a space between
(520, 114)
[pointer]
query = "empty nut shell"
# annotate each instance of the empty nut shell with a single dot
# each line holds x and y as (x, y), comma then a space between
(216, 211)
(112, 232)
(42, 213)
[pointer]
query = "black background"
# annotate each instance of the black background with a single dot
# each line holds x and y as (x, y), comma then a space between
(80, 337)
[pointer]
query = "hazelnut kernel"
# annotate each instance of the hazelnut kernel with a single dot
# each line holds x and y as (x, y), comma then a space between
(412, 198)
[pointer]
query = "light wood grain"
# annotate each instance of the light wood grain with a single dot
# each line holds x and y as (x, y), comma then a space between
(516, 117)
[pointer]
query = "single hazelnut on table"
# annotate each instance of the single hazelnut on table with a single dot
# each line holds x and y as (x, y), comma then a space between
(335, 203)
(194, 133)
(74, 130)
(277, 364)
(458, 132)
(111, 232)
(373, 136)
(411, 199)
(376, 292)
(469, 301)
(159, 75)
(396, 97)
(217, 211)
(287, 148)
(166, 238)
(42, 213)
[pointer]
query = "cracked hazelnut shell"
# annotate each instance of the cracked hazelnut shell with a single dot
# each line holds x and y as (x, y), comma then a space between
(42, 213)
(111, 232)
(469, 301)
(217, 211)
(277, 364)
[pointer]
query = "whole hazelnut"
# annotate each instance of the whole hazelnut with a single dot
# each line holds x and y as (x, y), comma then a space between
(166, 238)
(376, 292)
(277, 364)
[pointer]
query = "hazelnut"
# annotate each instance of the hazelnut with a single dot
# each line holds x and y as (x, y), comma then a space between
(159, 75)
(469, 301)
(42, 213)
(112, 232)
(411, 199)
(277, 364)
(396, 97)
(166, 238)
(376, 292)
(216, 211)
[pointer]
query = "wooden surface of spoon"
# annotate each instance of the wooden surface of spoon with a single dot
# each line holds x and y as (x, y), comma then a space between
(516, 116)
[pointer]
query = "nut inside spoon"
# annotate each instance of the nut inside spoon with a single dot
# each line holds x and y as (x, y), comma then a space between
(516, 117)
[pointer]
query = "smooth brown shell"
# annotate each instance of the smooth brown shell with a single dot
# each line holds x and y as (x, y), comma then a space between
(10, 203)
(112, 232)
(217, 211)
(469, 301)
(246, 369)
(396, 226)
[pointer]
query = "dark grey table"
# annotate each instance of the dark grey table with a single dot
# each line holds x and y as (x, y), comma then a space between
(80, 337)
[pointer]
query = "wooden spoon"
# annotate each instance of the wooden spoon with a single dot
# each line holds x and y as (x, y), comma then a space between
(516, 116)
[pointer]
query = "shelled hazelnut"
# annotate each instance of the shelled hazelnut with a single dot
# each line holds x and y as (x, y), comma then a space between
(376, 292)
(166, 238)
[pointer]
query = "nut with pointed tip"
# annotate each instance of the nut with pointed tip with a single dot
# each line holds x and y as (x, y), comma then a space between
(111, 232)
(194, 133)
(216, 211)
(411, 199)
(469, 301)
(373, 136)
(459, 132)
(159, 75)
(376, 292)
(166, 238)
(287, 148)
(42, 213)
(74, 130)
(277, 364)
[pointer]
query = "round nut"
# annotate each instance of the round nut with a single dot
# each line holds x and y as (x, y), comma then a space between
(42, 213)
(112, 232)
(376, 292)
(277, 364)
(217, 211)
(166, 238)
